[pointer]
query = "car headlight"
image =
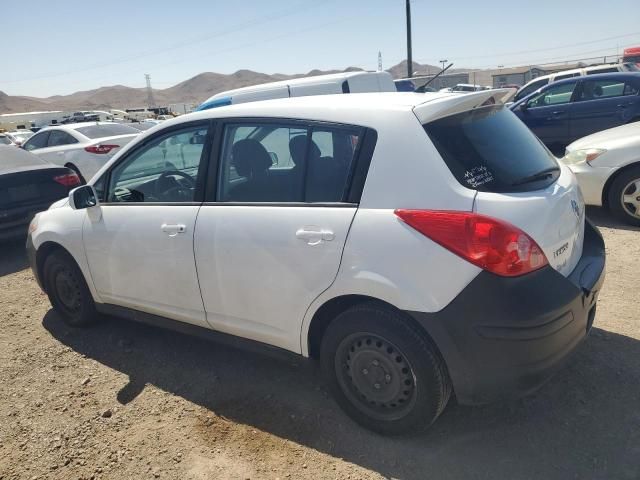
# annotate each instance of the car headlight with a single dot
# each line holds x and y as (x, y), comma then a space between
(581, 156)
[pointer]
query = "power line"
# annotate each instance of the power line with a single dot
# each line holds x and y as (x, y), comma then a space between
(257, 21)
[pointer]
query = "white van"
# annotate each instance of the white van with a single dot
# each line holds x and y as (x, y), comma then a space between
(348, 82)
(541, 81)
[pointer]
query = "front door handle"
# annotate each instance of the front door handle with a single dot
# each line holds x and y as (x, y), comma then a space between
(315, 235)
(173, 230)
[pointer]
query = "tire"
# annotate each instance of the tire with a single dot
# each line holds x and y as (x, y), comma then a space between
(385, 375)
(626, 186)
(67, 290)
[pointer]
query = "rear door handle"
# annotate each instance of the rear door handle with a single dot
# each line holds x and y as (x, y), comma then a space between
(315, 235)
(173, 230)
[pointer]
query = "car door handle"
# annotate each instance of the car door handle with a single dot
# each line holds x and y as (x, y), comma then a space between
(314, 235)
(623, 105)
(557, 113)
(173, 230)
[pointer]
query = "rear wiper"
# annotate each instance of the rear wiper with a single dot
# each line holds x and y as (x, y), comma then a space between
(541, 175)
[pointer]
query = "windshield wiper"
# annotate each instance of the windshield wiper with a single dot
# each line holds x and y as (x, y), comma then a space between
(541, 175)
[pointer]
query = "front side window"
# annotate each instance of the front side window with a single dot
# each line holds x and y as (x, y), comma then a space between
(596, 89)
(554, 95)
(58, 138)
(39, 140)
(286, 163)
(165, 170)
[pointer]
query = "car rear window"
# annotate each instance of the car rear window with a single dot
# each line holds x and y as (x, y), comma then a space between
(100, 131)
(489, 149)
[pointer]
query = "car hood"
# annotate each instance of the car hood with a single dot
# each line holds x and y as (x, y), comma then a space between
(608, 139)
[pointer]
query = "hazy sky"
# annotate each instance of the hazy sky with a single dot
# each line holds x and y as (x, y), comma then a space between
(58, 47)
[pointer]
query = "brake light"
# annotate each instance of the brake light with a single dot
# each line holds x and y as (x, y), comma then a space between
(100, 149)
(491, 244)
(68, 179)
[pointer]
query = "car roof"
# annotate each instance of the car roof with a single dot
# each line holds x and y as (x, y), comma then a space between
(597, 76)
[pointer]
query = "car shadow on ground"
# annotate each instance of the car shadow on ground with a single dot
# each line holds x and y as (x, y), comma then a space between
(584, 423)
(13, 257)
(601, 217)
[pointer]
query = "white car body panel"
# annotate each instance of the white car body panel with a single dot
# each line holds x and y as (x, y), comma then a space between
(257, 277)
(622, 145)
(135, 264)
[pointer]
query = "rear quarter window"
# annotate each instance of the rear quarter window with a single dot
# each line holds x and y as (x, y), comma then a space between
(489, 149)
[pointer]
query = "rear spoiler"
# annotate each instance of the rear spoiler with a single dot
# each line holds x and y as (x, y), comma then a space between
(445, 106)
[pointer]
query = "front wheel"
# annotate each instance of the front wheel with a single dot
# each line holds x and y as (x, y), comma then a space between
(68, 291)
(624, 196)
(386, 375)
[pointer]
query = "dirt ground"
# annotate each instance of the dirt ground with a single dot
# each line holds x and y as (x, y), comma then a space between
(123, 400)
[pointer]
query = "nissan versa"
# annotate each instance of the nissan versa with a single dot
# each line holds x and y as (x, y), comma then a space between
(417, 245)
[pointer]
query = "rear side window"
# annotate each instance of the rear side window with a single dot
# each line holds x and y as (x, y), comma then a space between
(101, 131)
(489, 149)
(58, 138)
(286, 163)
(602, 70)
(595, 89)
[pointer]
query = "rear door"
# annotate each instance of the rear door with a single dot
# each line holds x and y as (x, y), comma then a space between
(600, 104)
(547, 113)
(516, 178)
(270, 237)
(58, 146)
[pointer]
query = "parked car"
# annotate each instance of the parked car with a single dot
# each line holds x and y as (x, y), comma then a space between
(325, 226)
(463, 88)
(18, 137)
(28, 185)
(607, 165)
(543, 80)
(570, 109)
(5, 139)
(346, 82)
(83, 147)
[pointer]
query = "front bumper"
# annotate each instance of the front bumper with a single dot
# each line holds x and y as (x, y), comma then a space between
(31, 255)
(504, 337)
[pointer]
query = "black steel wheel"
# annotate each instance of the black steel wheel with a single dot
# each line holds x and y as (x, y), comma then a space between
(67, 290)
(385, 373)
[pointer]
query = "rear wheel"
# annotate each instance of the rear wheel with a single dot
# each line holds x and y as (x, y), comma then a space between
(68, 291)
(388, 377)
(624, 196)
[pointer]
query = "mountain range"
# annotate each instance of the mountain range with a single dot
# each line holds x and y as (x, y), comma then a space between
(194, 90)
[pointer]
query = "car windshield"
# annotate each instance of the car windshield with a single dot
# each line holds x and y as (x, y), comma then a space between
(110, 130)
(489, 149)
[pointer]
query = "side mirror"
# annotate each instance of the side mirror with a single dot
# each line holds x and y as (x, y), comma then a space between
(83, 197)
(524, 106)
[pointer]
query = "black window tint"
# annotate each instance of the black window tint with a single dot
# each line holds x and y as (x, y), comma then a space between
(165, 170)
(286, 163)
(554, 95)
(491, 150)
(630, 89)
(110, 130)
(39, 140)
(596, 89)
(58, 138)
(602, 70)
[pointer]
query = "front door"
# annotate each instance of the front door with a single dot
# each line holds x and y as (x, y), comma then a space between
(271, 240)
(139, 240)
(547, 114)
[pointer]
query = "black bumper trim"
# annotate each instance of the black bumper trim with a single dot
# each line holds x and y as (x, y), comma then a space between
(504, 337)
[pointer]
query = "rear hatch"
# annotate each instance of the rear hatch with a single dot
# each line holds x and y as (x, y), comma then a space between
(516, 179)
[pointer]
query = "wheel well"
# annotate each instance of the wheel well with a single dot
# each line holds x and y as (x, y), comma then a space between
(46, 249)
(611, 179)
(334, 307)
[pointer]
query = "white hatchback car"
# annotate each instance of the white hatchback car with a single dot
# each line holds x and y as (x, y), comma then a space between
(416, 244)
(607, 165)
(82, 147)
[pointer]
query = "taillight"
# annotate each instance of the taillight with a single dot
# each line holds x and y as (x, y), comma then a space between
(100, 149)
(68, 179)
(491, 244)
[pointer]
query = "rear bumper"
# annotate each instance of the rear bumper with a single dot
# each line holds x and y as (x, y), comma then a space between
(504, 337)
(14, 222)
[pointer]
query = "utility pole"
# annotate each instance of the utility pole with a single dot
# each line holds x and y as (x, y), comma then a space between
(409, 56)
(443, 62)
(379, 61)
(150, 100)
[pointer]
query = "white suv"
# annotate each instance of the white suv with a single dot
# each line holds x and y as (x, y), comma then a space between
(416, 244)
